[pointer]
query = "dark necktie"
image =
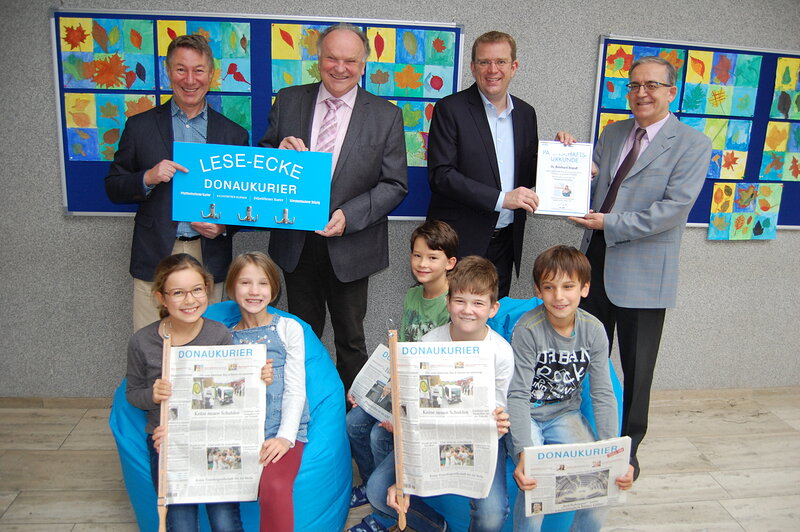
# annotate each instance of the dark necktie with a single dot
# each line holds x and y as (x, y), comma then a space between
(624, 168)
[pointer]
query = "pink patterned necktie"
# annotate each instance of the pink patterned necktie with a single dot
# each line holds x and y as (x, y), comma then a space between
(326, 140)
(624, 168)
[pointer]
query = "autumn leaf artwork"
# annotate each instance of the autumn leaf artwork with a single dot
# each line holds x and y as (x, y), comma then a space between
(766, 212)
(674, 57)
(416, 148)
(233, 70)
(230, 43)
(721, 83)
(410, 46)
(416, 124)
(781, 157)
(722, 198)
(294, 55)
(409, 79)
(730, 143)
(378, 77)
(744, 199)
(730, 161)
(110, 72)
(295, 41)
(309, 41)
(81, 122)
(440, 48)
(95, 122)
(742, 226)
(777, 136)
(774, 164)
(235, 107)
(694, 99)
(74, 37)
(744, 211)
(379, 44)
(794, 168)
(786, 98)
(617, 63)
(112, 55)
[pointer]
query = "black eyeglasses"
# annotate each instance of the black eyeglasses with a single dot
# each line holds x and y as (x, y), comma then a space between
(649, 86)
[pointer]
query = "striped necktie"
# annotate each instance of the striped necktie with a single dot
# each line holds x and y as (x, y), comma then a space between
(326, 140)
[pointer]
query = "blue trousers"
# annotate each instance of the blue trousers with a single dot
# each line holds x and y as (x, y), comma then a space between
(487, 515)
(566, 428)
(369, 443)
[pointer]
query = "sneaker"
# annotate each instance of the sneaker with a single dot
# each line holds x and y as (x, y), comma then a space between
(368, 524)
(359, 496)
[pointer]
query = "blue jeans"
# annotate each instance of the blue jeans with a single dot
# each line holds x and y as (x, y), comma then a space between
(566, 428)
(369, 443)
(222, 516)
(487, 515)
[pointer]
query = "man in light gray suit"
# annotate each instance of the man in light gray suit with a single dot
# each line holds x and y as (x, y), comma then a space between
(650, 170)
(365, 135)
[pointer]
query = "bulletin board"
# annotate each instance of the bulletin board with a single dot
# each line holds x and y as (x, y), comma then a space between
(109, 65)
(748, 102)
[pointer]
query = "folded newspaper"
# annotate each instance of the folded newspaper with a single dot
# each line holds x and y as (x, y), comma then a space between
(216, 423)
(371, 388)
(576, 475)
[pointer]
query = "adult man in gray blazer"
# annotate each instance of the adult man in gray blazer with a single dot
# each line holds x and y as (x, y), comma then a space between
(332, 266)
(651, 169)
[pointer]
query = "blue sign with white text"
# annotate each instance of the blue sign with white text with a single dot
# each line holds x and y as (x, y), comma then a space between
(255, 187)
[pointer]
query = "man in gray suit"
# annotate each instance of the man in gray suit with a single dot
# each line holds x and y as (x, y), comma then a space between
(365, 135)
(650, 170)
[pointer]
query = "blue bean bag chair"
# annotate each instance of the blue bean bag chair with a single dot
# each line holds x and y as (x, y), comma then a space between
(323, 484)
(456, 509)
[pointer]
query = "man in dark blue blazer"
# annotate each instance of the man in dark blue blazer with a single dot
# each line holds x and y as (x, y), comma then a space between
(482, 159)
(142, 173)
(332, 266)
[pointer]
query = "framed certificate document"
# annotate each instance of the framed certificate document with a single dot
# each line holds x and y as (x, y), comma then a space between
(564, 178)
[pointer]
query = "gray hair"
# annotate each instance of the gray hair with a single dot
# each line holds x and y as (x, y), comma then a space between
(672, 74)
(195, 42)
(346, 27)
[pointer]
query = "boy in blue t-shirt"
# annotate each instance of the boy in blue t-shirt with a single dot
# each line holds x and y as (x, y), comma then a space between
(555, 346)
(434, 245)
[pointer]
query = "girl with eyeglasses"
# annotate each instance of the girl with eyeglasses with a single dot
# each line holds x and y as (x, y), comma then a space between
(181, 288)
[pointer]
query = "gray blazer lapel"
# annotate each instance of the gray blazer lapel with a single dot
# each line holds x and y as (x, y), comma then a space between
(306, 117)
(659, 145)
(616, 143)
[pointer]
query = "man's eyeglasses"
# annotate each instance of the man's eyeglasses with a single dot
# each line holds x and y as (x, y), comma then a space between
(650, 86)
(179, 294)
(499, 63)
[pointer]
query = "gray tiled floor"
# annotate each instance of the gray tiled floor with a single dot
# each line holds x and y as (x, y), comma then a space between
(714, 460)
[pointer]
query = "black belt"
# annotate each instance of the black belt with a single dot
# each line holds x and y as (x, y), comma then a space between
(188, 238)
(498, 232)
